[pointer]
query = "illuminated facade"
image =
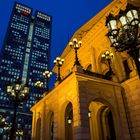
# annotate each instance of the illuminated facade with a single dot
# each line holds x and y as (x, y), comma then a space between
(86, 105)
(25, 54)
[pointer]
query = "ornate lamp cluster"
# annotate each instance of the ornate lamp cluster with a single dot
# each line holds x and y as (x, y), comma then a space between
(2, 121)
(19, 133)
(38, 83)
(4, 126)
(75, 44)
(18, 93)
(58, 62)
(107, 57)
(124, 35)
(47, 74)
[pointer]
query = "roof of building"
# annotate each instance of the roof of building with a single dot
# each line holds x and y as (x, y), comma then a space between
(83, 30)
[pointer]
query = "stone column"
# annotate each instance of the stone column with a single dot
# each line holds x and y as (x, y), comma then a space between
(56, 122)
(43, 122)
(33, 124)
(81, 120)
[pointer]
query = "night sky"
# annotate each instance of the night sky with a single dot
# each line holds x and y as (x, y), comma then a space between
(67, 17)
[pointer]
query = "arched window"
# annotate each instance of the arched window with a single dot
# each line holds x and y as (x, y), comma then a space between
(69, 122)
(38, 129)
(101, 122)
(107, 124)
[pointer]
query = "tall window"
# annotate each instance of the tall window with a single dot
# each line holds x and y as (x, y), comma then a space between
(101, 122)
(69, 122)
(107, 124)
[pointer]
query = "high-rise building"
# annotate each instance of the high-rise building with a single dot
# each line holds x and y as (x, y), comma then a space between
(25, 54)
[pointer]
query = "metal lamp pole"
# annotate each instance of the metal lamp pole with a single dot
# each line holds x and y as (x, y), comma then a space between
(75, 44)
(47, 74)
(108, 56)
(125, 38)
(58, 62)
(18, 93)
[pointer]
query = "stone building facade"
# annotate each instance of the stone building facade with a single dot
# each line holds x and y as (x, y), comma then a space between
(85, 105)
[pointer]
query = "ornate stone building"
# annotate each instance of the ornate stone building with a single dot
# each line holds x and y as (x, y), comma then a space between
(85, 105)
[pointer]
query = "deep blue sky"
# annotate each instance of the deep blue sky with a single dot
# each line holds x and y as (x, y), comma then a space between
(67, 16)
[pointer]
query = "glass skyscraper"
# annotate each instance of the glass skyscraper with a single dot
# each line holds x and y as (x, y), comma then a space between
(25, 54)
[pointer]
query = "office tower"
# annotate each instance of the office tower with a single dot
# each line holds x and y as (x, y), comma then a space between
(25, 54)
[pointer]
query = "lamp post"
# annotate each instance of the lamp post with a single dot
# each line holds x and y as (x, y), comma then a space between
(125, 38)
(58, 62)
(108, 56)
(18, 93)
(38, 84)
(89, 114)
(75, 44)
(47, 74)
(69, 124)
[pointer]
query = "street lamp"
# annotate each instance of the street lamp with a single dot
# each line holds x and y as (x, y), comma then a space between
(69, 119)
(2, 121)
(19, 133)
(18, 93)
(108, 56)
(4, 126)
(125, 38)
(58, 62)
(47, 74)
(89, 114)
(38, 84)
(75, 44)
(7, 128)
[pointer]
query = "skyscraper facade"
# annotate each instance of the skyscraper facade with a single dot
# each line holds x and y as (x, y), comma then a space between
(25, 54)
